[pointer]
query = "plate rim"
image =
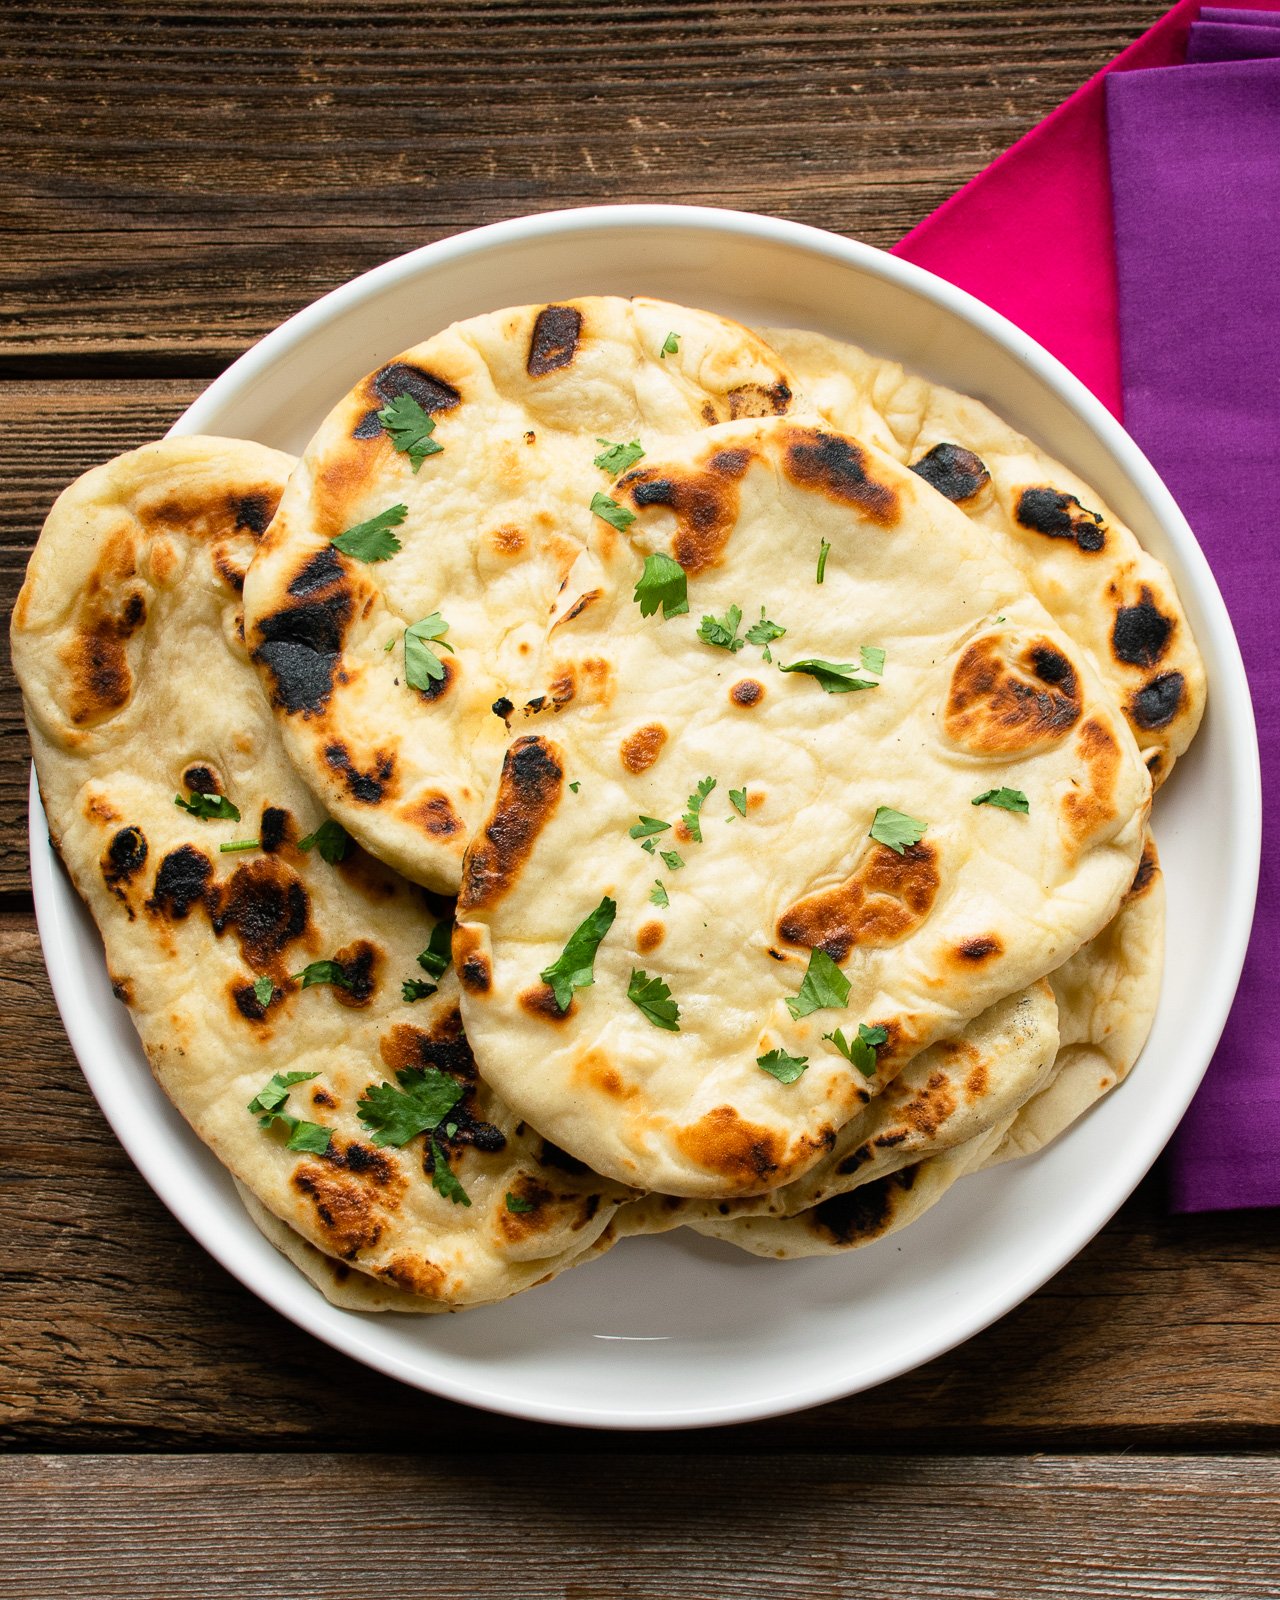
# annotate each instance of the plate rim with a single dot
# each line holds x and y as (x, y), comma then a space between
(302, 1303)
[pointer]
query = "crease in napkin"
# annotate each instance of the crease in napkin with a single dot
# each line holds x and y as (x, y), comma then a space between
(1193, 152)
(1224, 41)
(1195, 169)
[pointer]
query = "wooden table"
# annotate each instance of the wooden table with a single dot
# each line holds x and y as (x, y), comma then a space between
(178, 178)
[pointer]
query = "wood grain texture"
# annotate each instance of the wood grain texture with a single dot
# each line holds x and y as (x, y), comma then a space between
(182, 177)
(612, 1525)
(121, 1332)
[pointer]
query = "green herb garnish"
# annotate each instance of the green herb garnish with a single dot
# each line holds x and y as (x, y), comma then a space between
(834, 676)
(444, 1180)
(409, 428)
(860, 1051)
(662, 583)
(208, 807)
(695, 804)
(872, 657)
(785, 1068)
(331, 839)
(896, 829)
(519, 1204)
(616, 458)
(611, 512)
(416, 989)
(824, 986)
(275, 1091)
(658, 894)
(823, 553)
(575, 967)
(395, 1115)
(239, 844)
(739, 799)
(575, 785)
(670, 346)
(764, 633)
(673, 859)
(722, 631)
(373, 540)
(646, 828)
(653, 997)
(323, 972)
(435, 958)
(1006, 799)
(264, 991)
(422, 666)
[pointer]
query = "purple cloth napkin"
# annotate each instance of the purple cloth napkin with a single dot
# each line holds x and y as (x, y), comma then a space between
(1195, 173)
(1245, 18)
(1222, 41)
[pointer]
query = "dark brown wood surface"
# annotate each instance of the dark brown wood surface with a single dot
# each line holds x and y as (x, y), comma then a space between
(175, 179)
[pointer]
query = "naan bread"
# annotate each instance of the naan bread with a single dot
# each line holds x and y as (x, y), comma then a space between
(1107, 996)
(980, 690)
(1085, 566)
(521, 401)
(127, 643)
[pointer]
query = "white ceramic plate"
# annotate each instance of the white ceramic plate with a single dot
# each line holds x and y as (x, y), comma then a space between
(677, 1331)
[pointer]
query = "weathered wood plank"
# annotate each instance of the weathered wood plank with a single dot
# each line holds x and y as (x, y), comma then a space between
(580, 1527)
(121, 1332)
(182, 177)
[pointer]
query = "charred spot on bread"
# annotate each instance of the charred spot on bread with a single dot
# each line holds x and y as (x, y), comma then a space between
(836, 467)
(180, 883)
(528, 793)
(1158, 701)
(1140, 634)
(1061, 516)
(553, 342)
(953, 471)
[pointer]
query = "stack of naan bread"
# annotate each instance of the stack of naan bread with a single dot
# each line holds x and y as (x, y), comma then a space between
(631, 772)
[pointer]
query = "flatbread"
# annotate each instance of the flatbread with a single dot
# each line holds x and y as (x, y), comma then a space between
(980, 690)
(126, 640)
(521, 400)
(1084, 565)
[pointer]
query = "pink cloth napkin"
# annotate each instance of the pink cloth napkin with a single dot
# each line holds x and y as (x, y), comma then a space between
(1056, 176)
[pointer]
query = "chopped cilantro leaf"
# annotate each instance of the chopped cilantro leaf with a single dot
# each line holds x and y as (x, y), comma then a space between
(764, 633)
(616, 458)
(646, 827)
(416, 989)
(390, 644)
(394, 1116)
(575, 785)
(611, 512)
(422, 666)
(824, 986)
(896, 829)
(264, 991)
(444, 1179)
(208, 807)
(823, 553)
(275, 1091)
(312, 1137)
(653, 997)
(834, 676)
(673, 859)
(739, 799)
(785, 1068)
(409, 428)
(722, 631)
(435, 958)
(574, 969)
(860, 1051)
(662, 583)
(670, 346)
(373, 540)
(872, 658)
(1006, 799)
(695, 803)
(331, 839)
(658, 894)
(323, 972)
(519, 1204)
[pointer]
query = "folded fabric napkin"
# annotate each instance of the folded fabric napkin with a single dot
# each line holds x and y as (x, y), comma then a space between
(1231, 41)
(1195, 167)
(1193, 152)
